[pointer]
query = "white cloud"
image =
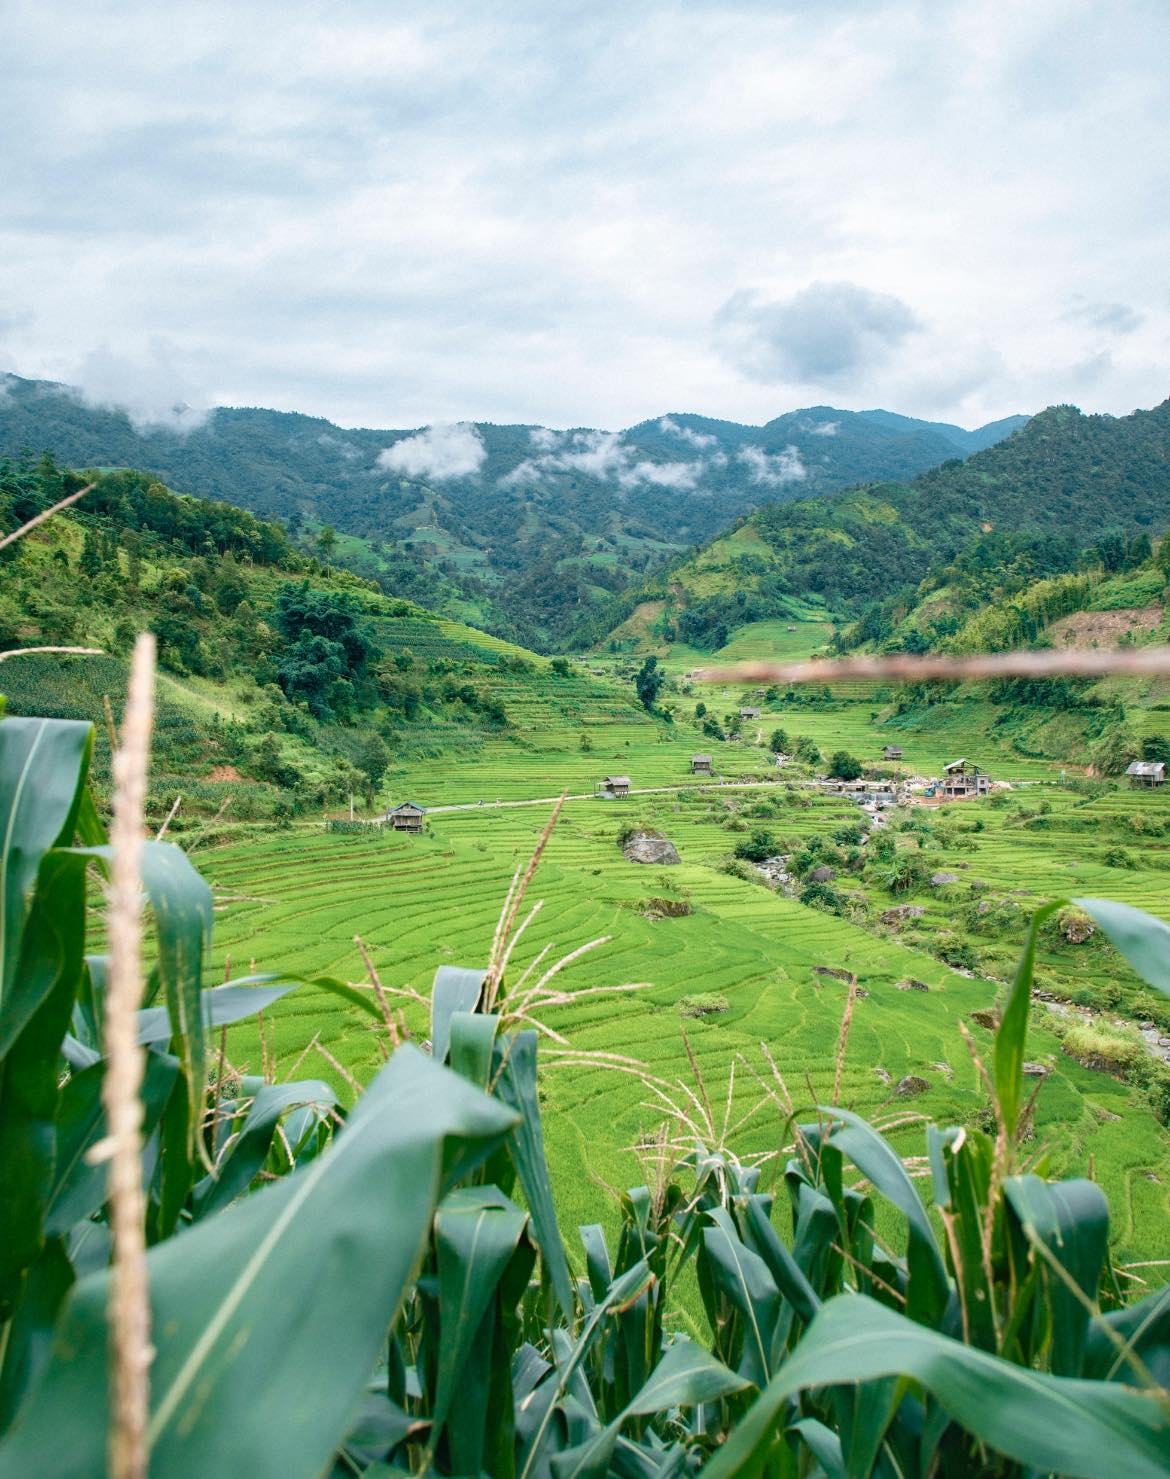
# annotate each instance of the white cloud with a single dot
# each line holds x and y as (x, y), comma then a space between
(527, 471)
(773, 469)
(663, 474)
(604, 455)
(825, 429)
(345, 450)
(687, 433)
(157, 391)
(449, 450)
(544, 438)
(601, 454)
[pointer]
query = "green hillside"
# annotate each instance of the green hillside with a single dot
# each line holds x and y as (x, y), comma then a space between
(1028, 507)
(521, 529)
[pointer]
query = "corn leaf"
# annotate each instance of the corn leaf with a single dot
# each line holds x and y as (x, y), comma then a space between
(455, 990)
(1142, 939)
(872, 1155)
(1083, 1429)
(269, 1317)
(515, 1066)
(43, 767)
(685, 1376)
(79, 1188)
(49, 967)
(478, 1238)
(1010, 1039)
(236, 1171)
(1071, 1219)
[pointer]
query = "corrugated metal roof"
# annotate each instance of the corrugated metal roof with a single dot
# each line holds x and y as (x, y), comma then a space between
(617, 780)
(406, 806)
(1147, 767)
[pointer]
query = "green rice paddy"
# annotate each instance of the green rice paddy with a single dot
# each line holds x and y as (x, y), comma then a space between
(301, 897)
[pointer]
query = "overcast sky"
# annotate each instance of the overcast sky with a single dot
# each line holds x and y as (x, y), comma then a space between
(587, 214)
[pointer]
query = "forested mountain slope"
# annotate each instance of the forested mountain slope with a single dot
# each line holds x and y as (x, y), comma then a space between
(521, 529)
(286, 684)
(1028, 505)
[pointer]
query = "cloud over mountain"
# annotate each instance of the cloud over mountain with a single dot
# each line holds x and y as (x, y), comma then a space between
(773, 469)
(446, 450)
(157, 390)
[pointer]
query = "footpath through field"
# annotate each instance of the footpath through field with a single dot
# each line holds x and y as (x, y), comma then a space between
(804, 785)
(594, 796)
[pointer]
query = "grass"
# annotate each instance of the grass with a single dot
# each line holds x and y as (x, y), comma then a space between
(1103, 1047)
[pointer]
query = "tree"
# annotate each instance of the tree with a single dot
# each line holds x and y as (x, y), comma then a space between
(1156, 747)
(700, 710)
(560, 666)
(806, 749)
(1115, 750)
(327, 541)
(1140, 549)
(90, 562)
(308, 669)
(649, 682)
(373, 757)
(844, 767)
(1112, 550)
(779, 742)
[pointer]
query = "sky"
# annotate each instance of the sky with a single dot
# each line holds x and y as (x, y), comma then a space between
(588, 214)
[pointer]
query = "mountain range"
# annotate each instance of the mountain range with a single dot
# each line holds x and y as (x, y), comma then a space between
(1033, 504)
(524, 530)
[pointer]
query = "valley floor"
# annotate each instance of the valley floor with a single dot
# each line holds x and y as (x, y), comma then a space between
(421, 902)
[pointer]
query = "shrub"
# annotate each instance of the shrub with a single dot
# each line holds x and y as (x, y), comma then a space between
(955, 951)
(906, 872)
(759, 845)
(703, 1004)
(1106, 1048)
(822, 896)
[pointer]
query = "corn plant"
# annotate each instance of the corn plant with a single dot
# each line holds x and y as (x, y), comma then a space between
(388, 1291)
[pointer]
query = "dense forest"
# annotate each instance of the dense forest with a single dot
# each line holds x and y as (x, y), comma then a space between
(1065, 490)
(524, 530)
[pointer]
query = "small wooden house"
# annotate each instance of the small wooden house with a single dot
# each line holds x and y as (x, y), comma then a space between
(1147, 773)
(700, 764)
(892, 752)
(406, 817)
(962, 780)
(615, 785)
(749, 713)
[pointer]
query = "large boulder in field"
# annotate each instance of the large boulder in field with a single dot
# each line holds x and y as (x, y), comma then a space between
(910, 1087)
(823, 874)
(649, 847)
(901, 912)
(940, 880)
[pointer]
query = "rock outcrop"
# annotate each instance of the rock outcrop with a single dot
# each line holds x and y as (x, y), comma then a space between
(650, 847)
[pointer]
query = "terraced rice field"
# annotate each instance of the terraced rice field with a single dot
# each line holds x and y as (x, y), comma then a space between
(299, 898)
